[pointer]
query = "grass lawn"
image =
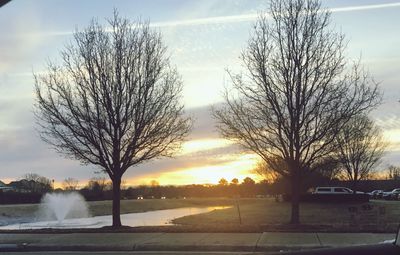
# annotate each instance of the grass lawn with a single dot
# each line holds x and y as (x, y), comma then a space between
(256, 215)
(373, 216)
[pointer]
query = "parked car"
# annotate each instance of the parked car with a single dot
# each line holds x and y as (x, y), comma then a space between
(376, 193)
(386, 194)
(334, 190)
(391, 195)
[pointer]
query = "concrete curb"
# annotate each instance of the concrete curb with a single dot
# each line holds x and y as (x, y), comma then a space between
(195, 248)
(12, 247)
(196, 242)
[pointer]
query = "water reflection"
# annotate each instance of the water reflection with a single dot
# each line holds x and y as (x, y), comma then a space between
(152, 218)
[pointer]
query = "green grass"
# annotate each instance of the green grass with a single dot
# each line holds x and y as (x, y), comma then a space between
(267, 212)
(256, 214)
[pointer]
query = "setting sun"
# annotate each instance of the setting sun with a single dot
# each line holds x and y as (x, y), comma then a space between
(238, 167)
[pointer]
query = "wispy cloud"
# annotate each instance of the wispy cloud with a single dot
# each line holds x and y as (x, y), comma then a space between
(253, 16)
(365, 7)
(235, 18)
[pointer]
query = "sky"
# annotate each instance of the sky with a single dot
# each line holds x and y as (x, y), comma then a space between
(204, 39)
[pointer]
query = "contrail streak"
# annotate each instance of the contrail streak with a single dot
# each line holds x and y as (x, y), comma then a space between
(253, 16)
(236, 18)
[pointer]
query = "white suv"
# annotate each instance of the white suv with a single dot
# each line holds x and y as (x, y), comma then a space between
(332, 190)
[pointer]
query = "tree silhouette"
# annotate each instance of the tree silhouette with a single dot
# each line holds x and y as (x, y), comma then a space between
(235, 181)
(393, 173)
(248, 181)
(295, 94)
(114, 101)
(360, 149)
(70, 184)
(223, 182)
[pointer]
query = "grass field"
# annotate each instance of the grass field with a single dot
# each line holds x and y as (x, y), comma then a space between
(256, 214)
(373, 216)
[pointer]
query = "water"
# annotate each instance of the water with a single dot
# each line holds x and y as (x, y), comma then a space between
(152, 218)
(61, 206)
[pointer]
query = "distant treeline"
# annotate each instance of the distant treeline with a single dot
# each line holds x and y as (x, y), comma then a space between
(99, 191)
(186, 191)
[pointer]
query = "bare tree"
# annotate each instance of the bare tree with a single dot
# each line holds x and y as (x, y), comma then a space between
(267, 171)
(36, 183)
(360, 148)
(223, 182)
(294, 93)
(99, 184)
(248, 181)
(70, 184)
(393, 173)
(235, 181)
(113, 101)
(154, 183)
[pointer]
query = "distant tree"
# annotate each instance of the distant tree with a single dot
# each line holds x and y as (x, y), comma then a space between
(360, 148)
(393, 173)
(267, 171)
(235, 181)
(35, 183)
(248, 181)
(223, 182)
(295, 92)
(99, 184)
(124, 185)
(114, 100)
(70, 184)
(328, 167)
(154, 183)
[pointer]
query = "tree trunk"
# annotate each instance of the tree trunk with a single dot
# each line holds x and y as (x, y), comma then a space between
(295, 190)
(295, 198)
(116, 208)
(354, 186)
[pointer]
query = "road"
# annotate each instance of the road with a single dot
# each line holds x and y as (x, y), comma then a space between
(129, 253)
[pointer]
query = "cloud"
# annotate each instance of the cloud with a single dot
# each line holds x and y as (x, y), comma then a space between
(231, 18)
(253, 16)
(22, 151)
(365, 7)
(204, 123)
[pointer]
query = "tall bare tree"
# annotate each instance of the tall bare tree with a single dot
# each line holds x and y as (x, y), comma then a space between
(360, 148)
(269, 172)
(294, 93)
(36, 183)
(70, 184)
(393, 173)
(113, 101)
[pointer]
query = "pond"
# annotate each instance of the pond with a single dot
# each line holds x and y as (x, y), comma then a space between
(151, 218)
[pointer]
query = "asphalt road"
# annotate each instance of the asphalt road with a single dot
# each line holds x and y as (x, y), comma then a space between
(130, 253)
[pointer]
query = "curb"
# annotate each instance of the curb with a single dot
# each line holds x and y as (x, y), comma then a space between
(195, 248)
(12, 247)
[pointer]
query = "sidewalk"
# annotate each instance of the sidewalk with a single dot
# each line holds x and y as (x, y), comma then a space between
(267, 241)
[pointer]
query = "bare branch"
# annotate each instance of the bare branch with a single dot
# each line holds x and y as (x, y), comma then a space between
(114, 101)
(296, 92)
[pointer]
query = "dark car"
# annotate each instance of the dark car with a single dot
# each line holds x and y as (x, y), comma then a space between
(391, 195)
(376, 194)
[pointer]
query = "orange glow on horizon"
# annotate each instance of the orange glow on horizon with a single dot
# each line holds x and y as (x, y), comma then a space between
(193, 146)
(239, 167)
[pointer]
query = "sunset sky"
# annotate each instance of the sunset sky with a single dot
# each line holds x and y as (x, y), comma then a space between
(204, 38)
